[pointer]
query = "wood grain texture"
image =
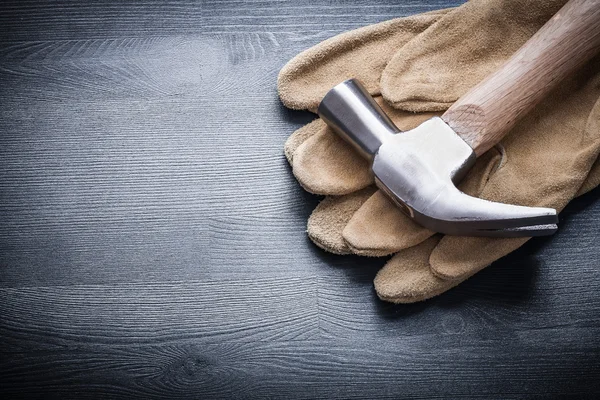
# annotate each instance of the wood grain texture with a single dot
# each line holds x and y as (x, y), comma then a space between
(487, 112)
(302, 369)
(152, 236)
(66, 316)
(104, 19)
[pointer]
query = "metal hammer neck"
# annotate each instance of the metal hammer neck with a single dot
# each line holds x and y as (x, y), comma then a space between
(353, 114)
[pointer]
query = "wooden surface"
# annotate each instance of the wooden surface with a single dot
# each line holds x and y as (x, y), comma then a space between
(152, 238)
(486, 113)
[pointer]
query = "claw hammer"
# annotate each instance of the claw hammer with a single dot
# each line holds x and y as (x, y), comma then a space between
(419, 169)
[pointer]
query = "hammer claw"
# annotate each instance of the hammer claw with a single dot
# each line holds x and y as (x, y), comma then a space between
(527, 231)
(456, 213)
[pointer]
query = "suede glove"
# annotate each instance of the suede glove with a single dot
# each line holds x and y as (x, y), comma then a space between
(542, 162)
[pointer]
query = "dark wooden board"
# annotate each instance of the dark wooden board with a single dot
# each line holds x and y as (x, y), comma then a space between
(152, 236)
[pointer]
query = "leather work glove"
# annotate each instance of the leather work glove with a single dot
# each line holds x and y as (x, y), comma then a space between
(546, 160)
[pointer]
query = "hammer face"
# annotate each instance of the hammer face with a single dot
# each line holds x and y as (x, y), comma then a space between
(418, 169)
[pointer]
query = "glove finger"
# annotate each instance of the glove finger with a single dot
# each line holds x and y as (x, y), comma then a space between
(300, 136)
(379, 228)
(328, 219)
(407, 278)
(457, 52)
(548, 156)
(361, 53)
(326, 164)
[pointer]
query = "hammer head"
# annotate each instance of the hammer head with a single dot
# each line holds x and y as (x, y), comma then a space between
(419, 169)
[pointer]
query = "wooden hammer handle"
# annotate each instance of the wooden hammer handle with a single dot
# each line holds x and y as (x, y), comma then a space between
(489, 110)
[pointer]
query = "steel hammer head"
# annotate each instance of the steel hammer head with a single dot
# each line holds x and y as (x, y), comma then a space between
(419, 169)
